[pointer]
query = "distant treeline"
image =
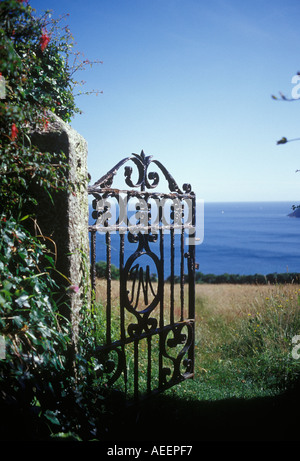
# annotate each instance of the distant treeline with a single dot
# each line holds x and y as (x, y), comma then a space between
(258, 279)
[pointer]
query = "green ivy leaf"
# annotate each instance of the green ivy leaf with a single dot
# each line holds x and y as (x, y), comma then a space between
(50, 415)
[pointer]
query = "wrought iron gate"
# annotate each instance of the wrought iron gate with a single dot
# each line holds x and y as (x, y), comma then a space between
(154, 306)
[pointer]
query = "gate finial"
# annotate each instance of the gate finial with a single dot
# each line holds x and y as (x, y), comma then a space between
(146, 179)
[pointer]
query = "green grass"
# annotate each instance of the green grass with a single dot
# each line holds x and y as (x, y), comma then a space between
(243, 343)
(244, 372)
(245, 352)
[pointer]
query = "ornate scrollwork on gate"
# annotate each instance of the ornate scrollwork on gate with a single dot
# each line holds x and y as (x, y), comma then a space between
(112, 363)
(149, 311)
(146, 180)
(140, 295)
(175, 349)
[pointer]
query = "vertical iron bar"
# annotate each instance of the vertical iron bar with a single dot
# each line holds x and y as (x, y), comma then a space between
(122, 303)
(182, 265)
(108, 286)
(161, 282)
(191, 260)
(149, 339)
(93, 260)
(160, 360)
(136, 369)
(162, 291)
(122, 308)
(172, 277)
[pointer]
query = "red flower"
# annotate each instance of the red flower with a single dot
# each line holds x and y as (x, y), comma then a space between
(14, 132)
(45, 123)
(44, 40)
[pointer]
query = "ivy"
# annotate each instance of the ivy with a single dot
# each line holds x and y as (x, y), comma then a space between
(36, 338)
(38, 393)
(37, 66)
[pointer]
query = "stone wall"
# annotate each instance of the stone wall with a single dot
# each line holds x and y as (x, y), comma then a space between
(65, 222)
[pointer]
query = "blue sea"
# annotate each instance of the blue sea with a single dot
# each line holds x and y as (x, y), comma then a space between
(239, 238)
(249, 238)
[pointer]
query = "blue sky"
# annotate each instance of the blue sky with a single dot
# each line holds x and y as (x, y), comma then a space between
(190, 82)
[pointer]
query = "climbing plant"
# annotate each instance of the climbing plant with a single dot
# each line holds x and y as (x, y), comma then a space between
(37, 66)
(37, 83)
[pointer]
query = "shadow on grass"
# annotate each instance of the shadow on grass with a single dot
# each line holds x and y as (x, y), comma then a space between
(167, 418)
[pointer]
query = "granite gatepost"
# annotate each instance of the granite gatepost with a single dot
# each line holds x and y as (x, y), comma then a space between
(65, 219)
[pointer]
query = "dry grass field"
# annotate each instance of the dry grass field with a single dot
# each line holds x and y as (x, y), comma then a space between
(228, 301)
(243, 368)
(239, 300)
